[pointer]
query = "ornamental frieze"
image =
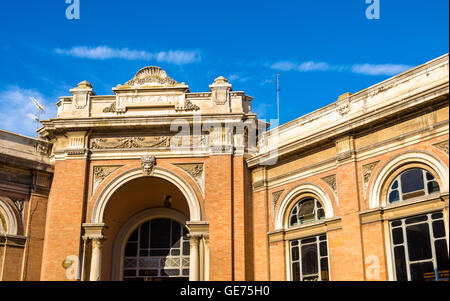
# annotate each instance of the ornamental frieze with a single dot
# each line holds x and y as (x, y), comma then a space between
(130, 142)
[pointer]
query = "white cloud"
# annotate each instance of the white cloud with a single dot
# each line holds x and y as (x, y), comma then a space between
(284, 66)
(381, 69)
(16, 107)
(177, 57)
(366, 69)
(313, 66)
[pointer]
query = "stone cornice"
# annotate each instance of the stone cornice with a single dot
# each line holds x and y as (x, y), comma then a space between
(66, 124)
(364, 119)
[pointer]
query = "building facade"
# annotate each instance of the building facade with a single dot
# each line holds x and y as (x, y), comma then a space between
(157, 182)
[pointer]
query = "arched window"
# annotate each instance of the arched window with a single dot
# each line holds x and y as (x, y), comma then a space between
(308, 256)
(305, 211)
(156, 250)
(413, 182)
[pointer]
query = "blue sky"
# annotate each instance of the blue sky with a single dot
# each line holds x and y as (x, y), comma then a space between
(321, 48)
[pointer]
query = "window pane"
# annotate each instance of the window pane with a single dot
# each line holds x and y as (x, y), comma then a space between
(309, 259)
(323, 248)
(160, 230)
(418, 270)
(144, 233)
(429, 176)
(294, 253)
(148, 273)
(324, 268)
(394, 185)
(412, 180)
(397, 236)
(433, 187)
(438, 229)
(394, 196)
(131, 249)
(441, 255)
(416, 219)
(129, 273)
(400, 263)
(418, 239)
(308, 240)
(396, 223)
(186, 248)
(306, 208)
(436, 215)
(176, 235)
(296, 271)
(134, 236)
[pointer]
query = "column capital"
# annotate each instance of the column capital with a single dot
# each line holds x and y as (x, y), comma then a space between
(93, 231)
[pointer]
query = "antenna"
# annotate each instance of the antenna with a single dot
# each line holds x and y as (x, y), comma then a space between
(278, 97)
(40, 109)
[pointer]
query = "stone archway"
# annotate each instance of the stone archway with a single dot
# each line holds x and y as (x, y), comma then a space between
(132, 194)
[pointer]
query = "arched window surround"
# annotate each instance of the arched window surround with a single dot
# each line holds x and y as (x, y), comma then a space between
(9, 218)
(391, 169)
(296, 194)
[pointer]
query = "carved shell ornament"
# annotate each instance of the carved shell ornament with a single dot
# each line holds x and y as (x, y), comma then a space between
(151, 76)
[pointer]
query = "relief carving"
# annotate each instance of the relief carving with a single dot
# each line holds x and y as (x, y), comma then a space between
(151, 76)
(367, 171)
(100, 173)
(275, 197)
(110, 109)
(148, 163)
(331, 182)
(442, 146)
(195, 170)
(130, 142)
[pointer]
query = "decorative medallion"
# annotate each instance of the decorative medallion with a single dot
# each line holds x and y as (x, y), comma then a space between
(148, 163)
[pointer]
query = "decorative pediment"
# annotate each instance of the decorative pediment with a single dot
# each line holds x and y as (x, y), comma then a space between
(151, 76)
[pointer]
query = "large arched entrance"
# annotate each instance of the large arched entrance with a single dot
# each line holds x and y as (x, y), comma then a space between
(146, 231)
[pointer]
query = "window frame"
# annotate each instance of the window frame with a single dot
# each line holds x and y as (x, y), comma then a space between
(429, 221)
(400, 186)
(299, 260)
